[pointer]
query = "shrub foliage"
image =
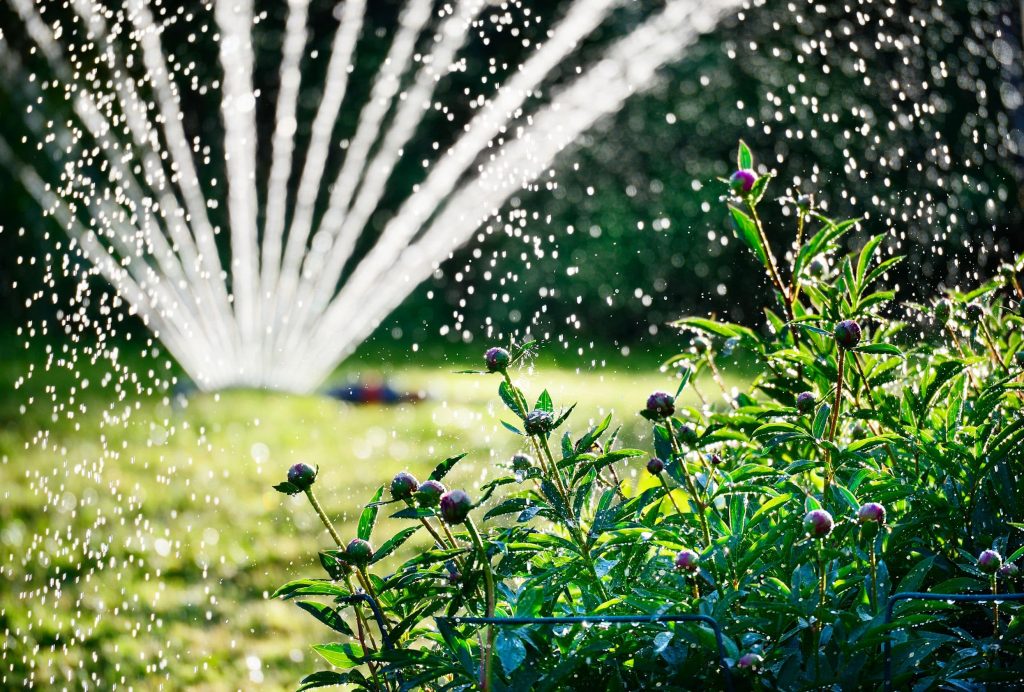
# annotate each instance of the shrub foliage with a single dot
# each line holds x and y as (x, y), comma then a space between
(875, 452)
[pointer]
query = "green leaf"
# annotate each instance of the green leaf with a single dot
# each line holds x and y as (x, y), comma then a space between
(393, 543)
(341, 655)
(508, 395)
(880, 349)
(442, 469)
(821, 420)
(369, 516)
(769, 506)
(311, 587)
(511, 428)
(287, 488)
(413, 513)
(544, 402)
(329, 678)
(744, 159)
(511, 651)
(327, 615)
(747, 232)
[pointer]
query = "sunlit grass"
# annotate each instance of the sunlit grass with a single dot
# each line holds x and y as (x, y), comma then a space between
(143, 554)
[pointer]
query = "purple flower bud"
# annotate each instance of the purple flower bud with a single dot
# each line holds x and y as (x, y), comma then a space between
(975, 311)
(538, 422)
(301, 475)
(847, 334)
(688, 561)
(455, 506)
(429, 493)
(715, 459)
(359, 552)
(496, 359)
(990, 561)
(805, 203)
(655, 466)
(1009, 571)
(748, 661)
(871, 512)
(522, 462)
(661, 405)
(742, 181)
(818, 523)
(687, 435)
(805, 402)
(943, 309)
(403, 485)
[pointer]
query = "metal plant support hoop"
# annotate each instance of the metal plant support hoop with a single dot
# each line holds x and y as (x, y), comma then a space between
(618, 619)
(925, 596)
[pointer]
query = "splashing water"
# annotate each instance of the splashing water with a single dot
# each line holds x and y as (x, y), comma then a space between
(288, 296)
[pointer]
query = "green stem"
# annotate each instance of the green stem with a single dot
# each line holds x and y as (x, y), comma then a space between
(486, 661)
(323, 517)
(995, 616)
(668, 491)
(874, 578)
(834, 423)
(691, 486)
(992, 347)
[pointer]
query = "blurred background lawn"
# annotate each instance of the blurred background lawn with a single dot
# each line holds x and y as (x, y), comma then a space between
(182, 599)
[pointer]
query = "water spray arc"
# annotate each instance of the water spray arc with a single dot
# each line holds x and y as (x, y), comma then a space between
(286, 297)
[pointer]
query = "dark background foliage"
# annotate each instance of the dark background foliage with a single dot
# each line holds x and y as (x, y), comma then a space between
(909, 113)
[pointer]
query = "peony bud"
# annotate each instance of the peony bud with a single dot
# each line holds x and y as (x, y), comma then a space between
(655, 466)
(538, 422)
(455, 506)
(990, 561)
(403, 485)
(688, 561)
(847, 334)
(429, 493)
(496, 359)
(359, 552)
(805, 402)
(818, 523)
(871, 512)
(301, 476)
(742, 182)
(661, 405)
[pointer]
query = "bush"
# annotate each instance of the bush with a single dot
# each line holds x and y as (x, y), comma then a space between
(875, 452)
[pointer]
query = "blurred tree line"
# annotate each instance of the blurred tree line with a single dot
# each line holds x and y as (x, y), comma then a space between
(908, 114)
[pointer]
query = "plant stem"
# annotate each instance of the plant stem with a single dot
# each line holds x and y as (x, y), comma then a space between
(691, 487)
(873, 600)
(834, 423)
(486, 663)
(323, 517)
(668, 491)
(995, 617)
(992, 347)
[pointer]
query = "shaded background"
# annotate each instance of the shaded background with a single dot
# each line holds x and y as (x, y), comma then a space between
(909, 114)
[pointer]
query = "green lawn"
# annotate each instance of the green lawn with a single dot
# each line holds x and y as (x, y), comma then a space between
(142, 553)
